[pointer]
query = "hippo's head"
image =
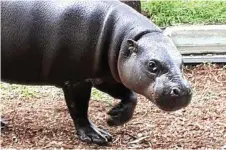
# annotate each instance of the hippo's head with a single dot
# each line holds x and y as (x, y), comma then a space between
(152, 66)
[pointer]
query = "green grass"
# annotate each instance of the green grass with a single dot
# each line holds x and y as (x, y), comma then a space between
(167, 13)
(100, 96)
(13, 91)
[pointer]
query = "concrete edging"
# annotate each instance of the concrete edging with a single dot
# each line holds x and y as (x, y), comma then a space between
(199, 40)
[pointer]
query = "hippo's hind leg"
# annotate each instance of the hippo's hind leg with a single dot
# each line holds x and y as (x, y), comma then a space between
(123, 111)
(77, 98)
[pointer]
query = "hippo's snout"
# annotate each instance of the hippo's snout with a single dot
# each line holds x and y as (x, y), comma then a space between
(174, 99)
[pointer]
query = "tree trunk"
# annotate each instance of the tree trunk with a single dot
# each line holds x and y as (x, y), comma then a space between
(134, 4)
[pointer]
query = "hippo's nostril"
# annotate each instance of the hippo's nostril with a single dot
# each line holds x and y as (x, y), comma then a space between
(175, 92)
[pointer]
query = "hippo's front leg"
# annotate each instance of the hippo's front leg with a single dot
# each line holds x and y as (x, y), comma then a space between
(77, 98)
(123, 111)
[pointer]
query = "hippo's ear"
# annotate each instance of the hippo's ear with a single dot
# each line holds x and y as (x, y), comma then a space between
(132, 46)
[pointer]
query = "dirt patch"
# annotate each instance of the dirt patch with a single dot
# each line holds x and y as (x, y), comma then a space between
(44, 122)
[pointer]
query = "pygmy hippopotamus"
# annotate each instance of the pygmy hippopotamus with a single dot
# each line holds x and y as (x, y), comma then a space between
(102, 44)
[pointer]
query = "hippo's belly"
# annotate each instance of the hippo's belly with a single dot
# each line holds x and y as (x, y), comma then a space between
(20, 67)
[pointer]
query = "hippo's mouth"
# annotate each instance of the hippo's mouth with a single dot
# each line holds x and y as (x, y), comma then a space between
(173, 104)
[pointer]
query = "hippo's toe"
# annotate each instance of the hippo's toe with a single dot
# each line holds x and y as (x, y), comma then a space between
(121, 114)
(92, 134)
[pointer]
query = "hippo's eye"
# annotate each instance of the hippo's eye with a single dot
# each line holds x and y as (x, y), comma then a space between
(153, 68)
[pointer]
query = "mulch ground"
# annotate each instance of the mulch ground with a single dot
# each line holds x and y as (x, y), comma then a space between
(44, 122)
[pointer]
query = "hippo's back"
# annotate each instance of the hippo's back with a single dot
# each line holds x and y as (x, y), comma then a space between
(36, 35)
(56, 41)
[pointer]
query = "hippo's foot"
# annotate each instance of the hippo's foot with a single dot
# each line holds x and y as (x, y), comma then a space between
(77, 99)
(121, 113)
(91, 134)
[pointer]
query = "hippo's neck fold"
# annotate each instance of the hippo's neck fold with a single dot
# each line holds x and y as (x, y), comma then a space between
(126, 24)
